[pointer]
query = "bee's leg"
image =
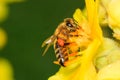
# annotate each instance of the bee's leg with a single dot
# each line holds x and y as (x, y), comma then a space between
(56, 62)
(73, 54)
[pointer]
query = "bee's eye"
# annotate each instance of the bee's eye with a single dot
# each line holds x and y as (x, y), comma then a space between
(69, 24)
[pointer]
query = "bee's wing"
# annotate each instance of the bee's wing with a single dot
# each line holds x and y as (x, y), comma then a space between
(48, 42)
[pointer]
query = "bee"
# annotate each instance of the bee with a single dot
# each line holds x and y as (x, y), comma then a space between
(65, 39)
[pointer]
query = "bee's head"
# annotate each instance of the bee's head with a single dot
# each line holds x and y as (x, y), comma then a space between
(70, 24)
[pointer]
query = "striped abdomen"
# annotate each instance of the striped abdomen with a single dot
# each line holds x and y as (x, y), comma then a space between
(61, 53)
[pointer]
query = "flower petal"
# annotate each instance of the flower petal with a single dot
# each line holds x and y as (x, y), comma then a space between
(110, 72)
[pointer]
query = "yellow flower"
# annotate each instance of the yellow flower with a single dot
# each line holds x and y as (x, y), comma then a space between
(3, 38)
(110, 72)
(108, 52)
(109, 15)
(114, 17)
(82, 68)
(6, 71)
(4, 10)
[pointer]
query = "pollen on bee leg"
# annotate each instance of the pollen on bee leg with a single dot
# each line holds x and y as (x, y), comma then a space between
(60, 42)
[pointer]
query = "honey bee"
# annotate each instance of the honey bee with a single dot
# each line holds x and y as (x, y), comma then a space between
(66, 40)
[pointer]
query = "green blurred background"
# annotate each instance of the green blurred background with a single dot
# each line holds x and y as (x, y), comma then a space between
(29, 23)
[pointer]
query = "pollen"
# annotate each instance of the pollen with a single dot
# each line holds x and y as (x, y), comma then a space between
(60, 42)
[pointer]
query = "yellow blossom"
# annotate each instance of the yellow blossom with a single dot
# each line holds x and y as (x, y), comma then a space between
(4, 9)
(3, 38)
(109, 14)
(110, 72)
(3, 12)
(108, 52)
(82, 68)
(6, 71)
(114, 17)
